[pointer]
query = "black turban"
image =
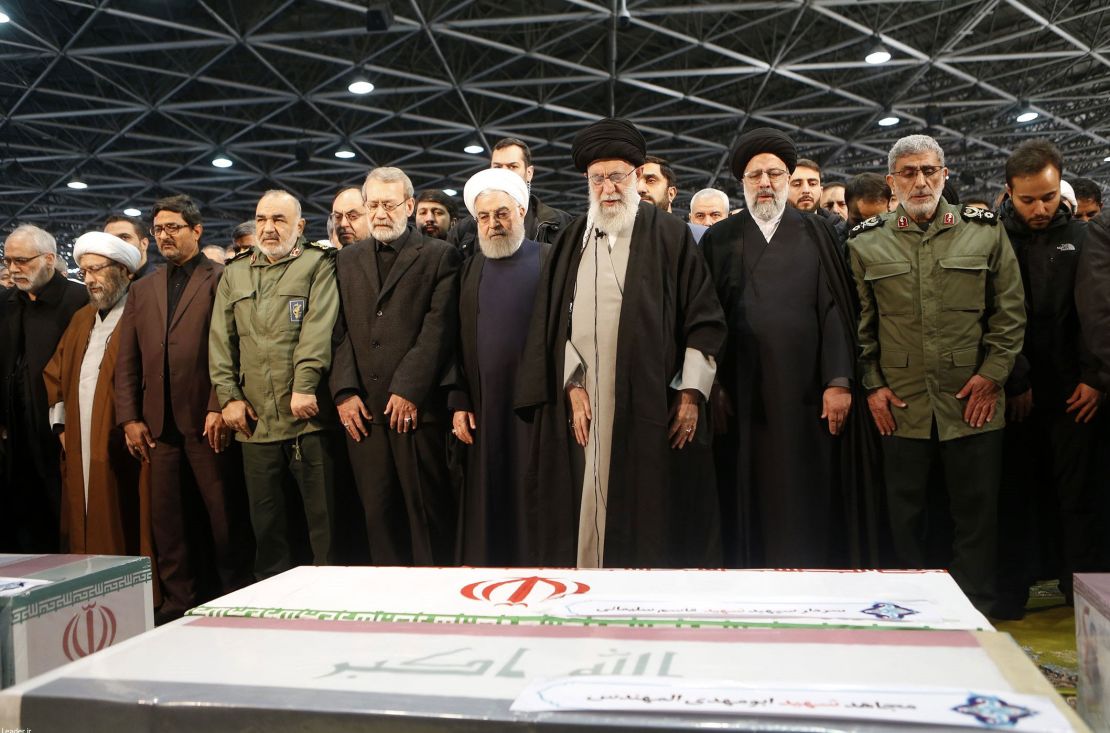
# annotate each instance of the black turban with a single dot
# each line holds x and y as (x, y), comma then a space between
(608, 138)
(763, 140)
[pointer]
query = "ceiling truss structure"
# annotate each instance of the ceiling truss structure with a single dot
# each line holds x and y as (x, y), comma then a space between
(136, 98)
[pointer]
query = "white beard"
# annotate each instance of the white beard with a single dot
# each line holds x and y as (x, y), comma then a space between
(923, 211)
(615, 219)
(506, 245)
(275, 252)
(766, 211)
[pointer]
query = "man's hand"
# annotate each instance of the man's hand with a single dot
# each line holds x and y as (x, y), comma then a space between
(1019, 406)
(982, 397)
(351, 413)
(462, 423)
(835, 404)
(238, 414)
(580, 414)
(684, 418)
(62, 440)
(216, 431)
(1084, 402)
(402, 414)
(720, 407)
(136, 435)
(303, 406)
(879, 402)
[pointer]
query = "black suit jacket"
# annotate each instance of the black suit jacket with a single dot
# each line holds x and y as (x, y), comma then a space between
(399, 338)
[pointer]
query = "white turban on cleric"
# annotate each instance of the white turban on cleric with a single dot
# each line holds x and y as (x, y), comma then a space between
(107, 245)
(495, 179)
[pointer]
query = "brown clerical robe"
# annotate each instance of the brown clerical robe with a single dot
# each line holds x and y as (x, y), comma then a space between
(117, 518)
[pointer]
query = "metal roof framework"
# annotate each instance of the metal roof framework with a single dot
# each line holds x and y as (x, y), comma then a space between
(136, 97)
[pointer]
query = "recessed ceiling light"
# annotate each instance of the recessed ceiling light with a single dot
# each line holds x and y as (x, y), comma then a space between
(473, 149)
(345, 153)
(222, 161)
(889, 120)
(360, 86)
(450, 192)
(132, 212)
(77, 184)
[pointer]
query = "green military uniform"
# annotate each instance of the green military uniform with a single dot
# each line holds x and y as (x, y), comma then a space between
(271, 336)
(938, 305)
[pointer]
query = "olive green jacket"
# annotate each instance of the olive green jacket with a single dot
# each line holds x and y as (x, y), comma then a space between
(271, 336)
(936, 308)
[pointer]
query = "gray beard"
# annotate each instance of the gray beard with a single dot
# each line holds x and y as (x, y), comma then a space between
(768, 211)
(921, 212)
(395, 232)
(277, 251)
(498, 248)
(618, 219)
(110, 295)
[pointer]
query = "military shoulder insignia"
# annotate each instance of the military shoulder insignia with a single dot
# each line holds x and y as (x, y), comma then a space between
(239, 256)
(970, 213)
(872, 223)
(325, 248)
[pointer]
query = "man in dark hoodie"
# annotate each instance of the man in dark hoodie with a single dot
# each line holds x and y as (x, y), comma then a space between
(1054, 392)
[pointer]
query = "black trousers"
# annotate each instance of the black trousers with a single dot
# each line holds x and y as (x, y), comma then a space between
(972, 473)
(410, 503)
(1047, 509)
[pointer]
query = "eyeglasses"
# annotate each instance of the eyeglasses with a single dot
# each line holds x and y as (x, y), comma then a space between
(910, 172)
(22, 261)
(615, 178)
(503, 215)
(351, 216)
(388, 208)
(773, 173)
(170, 229)
(95, 269)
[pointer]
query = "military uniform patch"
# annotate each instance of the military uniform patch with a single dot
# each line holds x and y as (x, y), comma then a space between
(949, 219)
(296, 310)
(863, 226)
(982, 216)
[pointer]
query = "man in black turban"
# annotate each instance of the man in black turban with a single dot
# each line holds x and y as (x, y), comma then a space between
(786, 380)
(620, 360)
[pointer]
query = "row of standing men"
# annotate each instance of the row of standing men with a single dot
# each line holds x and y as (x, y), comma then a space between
(583, 381)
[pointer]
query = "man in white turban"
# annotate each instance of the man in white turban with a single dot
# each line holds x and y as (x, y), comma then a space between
(502, 518)
(106, 494)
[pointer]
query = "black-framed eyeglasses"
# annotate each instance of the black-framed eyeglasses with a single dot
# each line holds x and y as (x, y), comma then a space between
(351, 216)
(910, 172)
(22, 261)
(773, 173)
(170, 229)
(84, 272)
(615, 178)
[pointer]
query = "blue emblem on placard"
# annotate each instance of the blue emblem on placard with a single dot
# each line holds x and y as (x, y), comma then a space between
(889, 611)
(296, 310)
(993, 711)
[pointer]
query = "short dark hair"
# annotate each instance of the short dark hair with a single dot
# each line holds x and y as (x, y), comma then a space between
(245, 229)
(866, 187)
(833, 184)
(979, 197)
(1032, 157)
(508, 142)
(807, 163)
(665, 169)
(1085, 188)
(437, 196)
(179, 204)
(136, 222)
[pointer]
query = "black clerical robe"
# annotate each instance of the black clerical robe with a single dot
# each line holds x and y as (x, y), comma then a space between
(502, 519)
(662, 503)
(792, 494)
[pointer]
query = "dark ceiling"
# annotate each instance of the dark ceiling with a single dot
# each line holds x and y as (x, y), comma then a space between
(136, 97)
